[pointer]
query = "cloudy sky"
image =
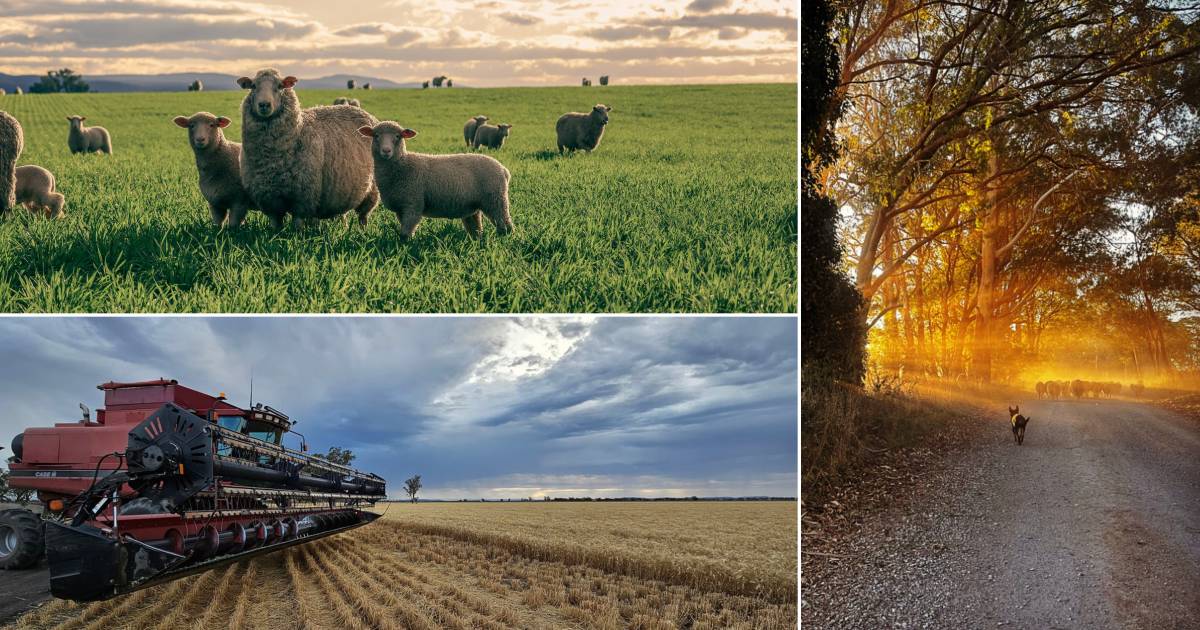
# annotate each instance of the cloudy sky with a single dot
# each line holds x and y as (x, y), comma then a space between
(480, 407)
(485, 43)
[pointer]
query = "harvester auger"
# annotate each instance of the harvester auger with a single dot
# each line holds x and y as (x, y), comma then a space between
(166, 482)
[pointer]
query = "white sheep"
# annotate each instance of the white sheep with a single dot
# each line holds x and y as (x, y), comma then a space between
(582, 131)
(218, 162)
(311, 163)
(35, 189)
(469, 128)
(463, 186)
(491, 136)
(12, 142)
(83, 139)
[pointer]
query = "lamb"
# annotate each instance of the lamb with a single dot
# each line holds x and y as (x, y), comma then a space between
(586, 82)
(424, 85)
(491, 136)
(366, 86)
(311, 163)
(35, 189)
(87, 139)
(604, 79)
(463, 186)
(582, 131)
(219, 163)
(469, 128)
(12, 142)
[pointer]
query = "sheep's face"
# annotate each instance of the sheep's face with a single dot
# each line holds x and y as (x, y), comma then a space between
(388, 139)
(600, 114)
(479, 120)
(204, 130)
(504, 130)
(266, 93)
(76, 121)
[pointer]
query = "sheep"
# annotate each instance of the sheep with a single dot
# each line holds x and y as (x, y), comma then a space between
(1041, 389)
(196, 86)
(585, 82)
(491, 136)
(35, 189)
(87, 139)
(343, 100)
(439, 80)
(350, 84)
(19, 91)
(12, 142)
(604, 79)
(1077, 388)
(366, 86)
(469, 128)
(1054, 389)
(219, 162)
(449, 83)
(464, 186)
(425, 85)
(3, 92)
(309, 162)
(355, 102)
(582, 131)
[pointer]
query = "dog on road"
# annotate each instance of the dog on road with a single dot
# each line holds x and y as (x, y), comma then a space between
(1018, 424)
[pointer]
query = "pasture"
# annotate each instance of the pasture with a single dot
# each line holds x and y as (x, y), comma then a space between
(517, 565)
(689, 205)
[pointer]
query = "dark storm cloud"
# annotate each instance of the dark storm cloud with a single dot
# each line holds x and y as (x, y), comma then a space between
(621, 405)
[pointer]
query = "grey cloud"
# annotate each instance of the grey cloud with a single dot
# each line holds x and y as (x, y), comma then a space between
(704, 6)
(520, 19)
(754, 21)
(116, 32)
(622, 33)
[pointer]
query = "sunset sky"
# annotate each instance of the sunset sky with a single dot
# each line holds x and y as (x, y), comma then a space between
(488, 43)
(498, 407)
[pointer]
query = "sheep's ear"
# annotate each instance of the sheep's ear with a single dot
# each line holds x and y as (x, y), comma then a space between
(245, 83)
(289, 81)
(408, 133)
(367, 131)
(223, 122)
(607, 108)
(182, 121)
(69, 118)
(82, 118)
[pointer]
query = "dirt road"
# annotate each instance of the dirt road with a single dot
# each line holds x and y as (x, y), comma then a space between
(1093, 523)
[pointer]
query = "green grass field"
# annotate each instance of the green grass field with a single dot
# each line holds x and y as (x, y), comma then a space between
(689, 205)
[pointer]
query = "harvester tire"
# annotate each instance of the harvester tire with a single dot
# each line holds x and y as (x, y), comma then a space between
(22, 543)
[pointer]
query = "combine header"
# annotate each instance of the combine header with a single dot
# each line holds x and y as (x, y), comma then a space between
(165, 482)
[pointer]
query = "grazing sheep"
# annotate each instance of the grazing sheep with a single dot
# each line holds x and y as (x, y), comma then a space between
(464, 186)
(1077, 388)
(345, 100)
(582, 131)
(350, 84)
(12, 142)
(87, 139)
(311, 163)
(604, 79)
(19, 91)
(35, 189)
(439, 80)
(196, 86)
(219, 162)
(449, 83)
(469, 128)
(586, 82)
(425, 85)
(1054, 389)
(1112, 389)
(366, 86)
(491, 136)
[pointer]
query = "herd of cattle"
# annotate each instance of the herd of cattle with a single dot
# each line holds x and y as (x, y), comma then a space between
(1055, 390)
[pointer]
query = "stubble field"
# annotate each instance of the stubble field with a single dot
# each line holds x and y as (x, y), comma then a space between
(689, 205)
(574, 565)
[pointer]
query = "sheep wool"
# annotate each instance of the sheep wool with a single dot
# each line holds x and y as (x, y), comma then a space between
(311, 163)
(491, 136)
(82, 139)
(469, 128)
(35, 189)
(582, 131)
(218, 162)
(12, 142)
(466, 186)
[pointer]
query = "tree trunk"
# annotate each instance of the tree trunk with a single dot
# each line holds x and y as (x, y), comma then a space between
(985, 326)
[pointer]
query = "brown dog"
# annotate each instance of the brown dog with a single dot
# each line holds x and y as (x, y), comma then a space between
(1018, 424)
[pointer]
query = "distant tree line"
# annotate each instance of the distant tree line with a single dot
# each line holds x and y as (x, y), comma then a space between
(64, 80)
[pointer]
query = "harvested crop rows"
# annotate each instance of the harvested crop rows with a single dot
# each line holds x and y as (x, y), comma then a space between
(689, 205)
(399, 574)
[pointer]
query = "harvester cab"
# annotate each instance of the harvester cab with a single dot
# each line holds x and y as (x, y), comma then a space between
(169, 481)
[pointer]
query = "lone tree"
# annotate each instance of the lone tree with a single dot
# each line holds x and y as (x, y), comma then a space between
(64, 80)
(412, 486)
(338, 455)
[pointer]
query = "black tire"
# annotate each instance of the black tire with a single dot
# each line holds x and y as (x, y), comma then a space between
(21, 541)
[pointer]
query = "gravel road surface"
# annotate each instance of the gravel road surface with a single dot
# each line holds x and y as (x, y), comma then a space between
(1093, 523)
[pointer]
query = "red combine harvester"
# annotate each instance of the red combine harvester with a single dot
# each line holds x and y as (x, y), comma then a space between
(165, 482)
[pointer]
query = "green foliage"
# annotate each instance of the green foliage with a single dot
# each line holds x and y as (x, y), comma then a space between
(9, 494)
(64, 80)
(412, 486)
(832, 330)
(688, 205)
(338, 455)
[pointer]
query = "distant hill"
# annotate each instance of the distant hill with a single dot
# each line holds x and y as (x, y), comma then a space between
(178, 82)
